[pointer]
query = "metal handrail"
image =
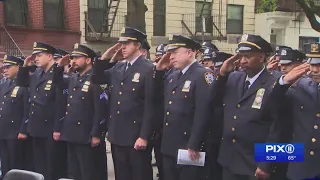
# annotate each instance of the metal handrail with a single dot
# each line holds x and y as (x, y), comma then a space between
(5, 46)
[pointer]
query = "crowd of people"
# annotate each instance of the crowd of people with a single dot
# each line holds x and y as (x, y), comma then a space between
(57, 109)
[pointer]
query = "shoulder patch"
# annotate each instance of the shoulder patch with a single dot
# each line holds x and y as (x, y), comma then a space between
(209, 77)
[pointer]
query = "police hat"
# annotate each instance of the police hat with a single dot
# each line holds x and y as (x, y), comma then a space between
(81, 50)
(145, 45)
(11, 60)
(220, 58)
(314, 54)
(208, 44)
(288, 56)
(256, 43)
(59, 53)
(160, 50)
(279, 48)
(131, 34)
(39, 47)
(209, 54)
(177, 41)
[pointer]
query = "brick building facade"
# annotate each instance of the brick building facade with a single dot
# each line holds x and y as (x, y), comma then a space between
(56, 22)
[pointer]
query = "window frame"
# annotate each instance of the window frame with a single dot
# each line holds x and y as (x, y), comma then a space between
(59, 25)
(24, 11)
(104, 13)
(159, 29)
(208, 18)
(242, 20)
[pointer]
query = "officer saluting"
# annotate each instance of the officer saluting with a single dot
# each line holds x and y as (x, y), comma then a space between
(45, 113)
(290, 59)
(247, 120)
(131, 104)
(14, 110)
(83, 127)
(302, 97)
(185, 106)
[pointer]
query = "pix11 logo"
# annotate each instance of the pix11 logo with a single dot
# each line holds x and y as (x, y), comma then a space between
(279, 152)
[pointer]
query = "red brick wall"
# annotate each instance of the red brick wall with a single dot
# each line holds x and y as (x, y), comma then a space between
(35, 31)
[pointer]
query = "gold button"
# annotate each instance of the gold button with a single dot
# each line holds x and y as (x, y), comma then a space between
(301, 107)
(173, 92)
(0, 109)
(68, 104)
(45, 120)
(318, 114)
(4, 96)
(121, 83)
(74, 89)
(311, 153)
(110, 116)
(118, 112)
(224, 104)
(66, 113)
(315, 127)
(118, 102)
(185, 133)
(170, 102)
(12, 121)
(82, 97)
(133, 89)
(234, 117)
(238, 105)
(34, 96)
(32, 104)
(168, 113)
(134, 122)
(233, 140)
(313, 139)
(79, 123)
(185, 96)
(2, 102)
(233, 129)
(32, 112)
(46, 94)
(167, 124)
(37, 89)
(120, 93)
(70, 97)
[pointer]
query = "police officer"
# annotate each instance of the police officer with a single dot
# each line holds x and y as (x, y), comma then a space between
(290, 59)
(145, 49)
(208, 56)
(185, 106)
(83, 127)
(273, 63)
(247, 118)
(131, 104)
(301, 94)
(218, 61)
(45, 112)
(208, 44)
(14, 110)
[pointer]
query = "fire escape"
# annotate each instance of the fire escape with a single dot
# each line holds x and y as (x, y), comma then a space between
(206, 25)
(7, 44)
(112, 24)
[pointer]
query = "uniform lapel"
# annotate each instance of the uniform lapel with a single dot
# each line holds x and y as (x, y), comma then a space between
(240, 85)
(314, 93)
(256, 85)
(133, 69)
(44, 77)
(8, 86)
(183, 77)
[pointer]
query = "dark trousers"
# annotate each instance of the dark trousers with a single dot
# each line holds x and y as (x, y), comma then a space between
(62, 159)
(11, 155)
(131, 164)
(100, 160)
(212, 169)
(28, 163)
(156, 146)
(45, 157)
(228, 175)
(173, 171)
(81, 164)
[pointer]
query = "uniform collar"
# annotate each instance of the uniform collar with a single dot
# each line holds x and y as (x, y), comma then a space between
(186, 68)
(254, 78)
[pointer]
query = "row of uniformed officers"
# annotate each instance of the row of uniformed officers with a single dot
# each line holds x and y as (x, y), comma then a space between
(58, 112)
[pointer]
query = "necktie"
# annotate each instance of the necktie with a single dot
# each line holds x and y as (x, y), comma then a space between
(246, 87)
(180, 74)
(128, 65)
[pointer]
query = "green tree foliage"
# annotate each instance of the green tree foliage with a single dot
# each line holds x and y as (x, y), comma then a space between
(267, 6)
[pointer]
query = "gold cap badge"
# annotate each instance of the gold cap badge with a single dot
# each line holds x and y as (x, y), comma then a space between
(76, 46)
(35, 44)
(314, 48)
(244, 37)
(123, 30)
(5, 57)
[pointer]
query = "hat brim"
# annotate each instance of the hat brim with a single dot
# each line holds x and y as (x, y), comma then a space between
(285, 61)
(37, 52)
(77, 55)
(57, 56)
(218, 64)
(207, 58)
(7, 64)
(159, 54)
(314, 61)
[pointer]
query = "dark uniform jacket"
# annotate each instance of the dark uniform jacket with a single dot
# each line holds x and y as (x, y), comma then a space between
(14, 110)
(303, 98)
(131, 100)
(84, 115)
(248, 120)
(45, 115)
(186, 109)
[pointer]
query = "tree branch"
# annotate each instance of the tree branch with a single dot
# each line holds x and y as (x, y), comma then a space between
(310, 13)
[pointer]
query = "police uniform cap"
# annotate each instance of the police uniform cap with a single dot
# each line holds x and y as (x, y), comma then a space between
(160, 50)
(12, 60)
(59, 53)
(254, 43)
(209, 54)
(81, 50)
(39, 47)
(145, 45)
(288, 56)
(208, 44)
(314, 54)
(279, 48)
(131, 34)
(220, 58)
(178, 41)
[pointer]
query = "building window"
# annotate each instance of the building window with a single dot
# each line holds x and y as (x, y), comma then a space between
(53, 14)
(159, 20)
(97, 11)
(204, 10)
(234, 19)
(304, 43)
(16, 12)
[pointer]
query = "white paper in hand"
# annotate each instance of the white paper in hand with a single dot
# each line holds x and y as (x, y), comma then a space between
(183, 158)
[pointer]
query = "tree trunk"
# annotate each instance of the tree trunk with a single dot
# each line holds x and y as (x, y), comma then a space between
(136, 10)
(311, 13)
